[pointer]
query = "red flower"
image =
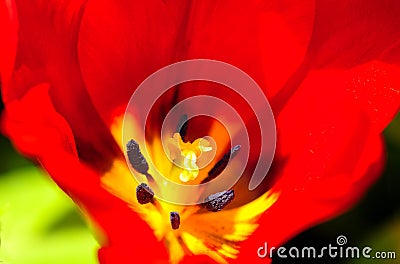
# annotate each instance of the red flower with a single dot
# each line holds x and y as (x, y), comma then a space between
(330, 69)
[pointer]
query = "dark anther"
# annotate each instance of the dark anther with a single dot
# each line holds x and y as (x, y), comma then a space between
(136, 157)
(175, 220)
(216, 202)
(221, 164)
(144, 194)
(182, 126)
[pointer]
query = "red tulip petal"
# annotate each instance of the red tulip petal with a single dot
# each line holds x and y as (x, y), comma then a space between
(301, 206)
(347, 33)
(375, 87)
(268, 40)
(128, 237)
(120, 45)
(39, 131)
(44, 29)
(47, 53)
(331, 148)
(8, 43)
(32, 122)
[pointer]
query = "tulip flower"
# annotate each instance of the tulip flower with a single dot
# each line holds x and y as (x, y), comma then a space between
(330, 70)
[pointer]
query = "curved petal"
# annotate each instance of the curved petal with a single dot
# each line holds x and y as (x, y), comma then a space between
(39, 131)
(46, 52)
(375, 90)
(31, 125)
(121, 44)
(266, 39)
(44, 30)
(128, 237)
(375, 87)
(332, 149)
(347, 33)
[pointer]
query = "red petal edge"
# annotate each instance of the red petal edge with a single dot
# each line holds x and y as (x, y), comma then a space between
(37, 130)
(329, 137)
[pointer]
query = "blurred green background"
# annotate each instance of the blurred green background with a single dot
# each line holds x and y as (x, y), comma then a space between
(39, 224)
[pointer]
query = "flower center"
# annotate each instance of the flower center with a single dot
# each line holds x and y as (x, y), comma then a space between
(208, 228)
(186, 155)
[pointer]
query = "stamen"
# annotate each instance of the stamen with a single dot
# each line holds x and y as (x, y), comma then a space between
(182, 126)
(175, 220)
(216, 202)
(144, 194)
(221, 164)
(136, 157)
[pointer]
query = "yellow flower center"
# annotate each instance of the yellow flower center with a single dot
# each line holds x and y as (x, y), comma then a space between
(186, 154)
(185, 229)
